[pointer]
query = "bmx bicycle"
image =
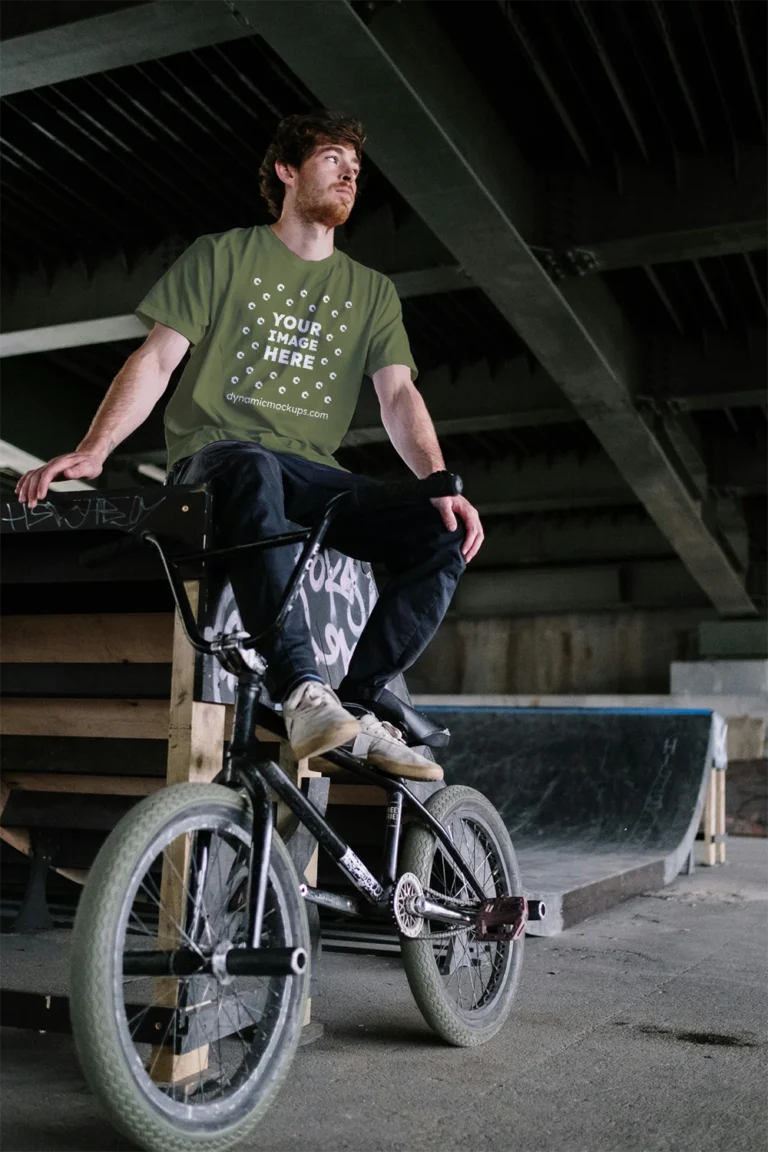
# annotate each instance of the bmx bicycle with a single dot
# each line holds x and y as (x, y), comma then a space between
(190, 969)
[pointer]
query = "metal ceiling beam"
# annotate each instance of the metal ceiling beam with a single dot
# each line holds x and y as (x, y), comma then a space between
(720, 371)
(709, 210)
(114, 40)
(614, 534)
(657, 583)
(434, 136)
(93, 306)
(539, 484)
(475, 398)
(76, 335)
(43, 410)
(16, 460)
(738, 471)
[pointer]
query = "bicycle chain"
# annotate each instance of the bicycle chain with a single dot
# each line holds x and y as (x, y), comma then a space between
(446, 933)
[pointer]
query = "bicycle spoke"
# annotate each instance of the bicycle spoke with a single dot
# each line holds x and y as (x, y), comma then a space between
(192, 895)
(471, 969)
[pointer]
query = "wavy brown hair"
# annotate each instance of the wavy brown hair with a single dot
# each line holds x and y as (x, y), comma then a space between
(296, 139)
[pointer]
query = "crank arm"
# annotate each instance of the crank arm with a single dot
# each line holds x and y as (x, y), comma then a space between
(431, 911)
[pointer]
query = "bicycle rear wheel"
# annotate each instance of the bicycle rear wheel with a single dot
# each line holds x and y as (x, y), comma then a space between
(184, 1062)
(463, 986)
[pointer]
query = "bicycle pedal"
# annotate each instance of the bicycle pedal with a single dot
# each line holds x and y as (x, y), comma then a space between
(502, 919)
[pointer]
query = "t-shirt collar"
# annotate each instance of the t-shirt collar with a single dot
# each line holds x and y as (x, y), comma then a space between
(305, 265)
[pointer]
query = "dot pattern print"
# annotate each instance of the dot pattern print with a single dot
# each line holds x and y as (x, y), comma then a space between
(288, 330)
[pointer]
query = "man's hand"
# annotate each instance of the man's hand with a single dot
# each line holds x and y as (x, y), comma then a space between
(34, 485)
(449, 508)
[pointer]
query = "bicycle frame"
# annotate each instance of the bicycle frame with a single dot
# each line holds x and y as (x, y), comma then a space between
(248, 768)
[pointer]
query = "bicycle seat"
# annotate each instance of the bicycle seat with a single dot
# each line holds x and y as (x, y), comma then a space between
(417, 728)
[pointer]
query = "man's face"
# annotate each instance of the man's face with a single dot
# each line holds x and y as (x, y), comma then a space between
(326, 185)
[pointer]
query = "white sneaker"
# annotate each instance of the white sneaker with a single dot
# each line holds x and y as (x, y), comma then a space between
(315, 720)
(384, 745)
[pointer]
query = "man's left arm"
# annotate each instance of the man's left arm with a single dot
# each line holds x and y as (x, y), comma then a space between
(409, 426)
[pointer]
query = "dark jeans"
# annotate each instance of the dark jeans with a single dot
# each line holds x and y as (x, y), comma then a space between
(259, 493)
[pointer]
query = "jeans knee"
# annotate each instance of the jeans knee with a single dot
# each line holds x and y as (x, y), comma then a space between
(446, 550)
(247, 493)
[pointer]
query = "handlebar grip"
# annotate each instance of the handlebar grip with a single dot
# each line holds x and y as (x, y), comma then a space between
(409, 491)
(96, 557)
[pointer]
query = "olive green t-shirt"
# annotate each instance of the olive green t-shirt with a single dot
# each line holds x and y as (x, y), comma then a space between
(280, 344)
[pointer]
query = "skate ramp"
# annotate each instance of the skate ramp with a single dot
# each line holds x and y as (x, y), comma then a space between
(601, 803)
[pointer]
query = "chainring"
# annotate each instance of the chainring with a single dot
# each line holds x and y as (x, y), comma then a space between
(405, 893)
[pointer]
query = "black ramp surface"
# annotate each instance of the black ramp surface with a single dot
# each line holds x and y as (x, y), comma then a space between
(600, 803)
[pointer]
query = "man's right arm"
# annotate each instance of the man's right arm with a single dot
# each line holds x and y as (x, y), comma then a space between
(133, 394)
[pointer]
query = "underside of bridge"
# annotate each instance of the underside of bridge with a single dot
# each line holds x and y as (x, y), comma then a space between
(569, 197)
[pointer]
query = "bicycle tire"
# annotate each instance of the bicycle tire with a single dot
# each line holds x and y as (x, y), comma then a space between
(425, 963)
(101, 1029)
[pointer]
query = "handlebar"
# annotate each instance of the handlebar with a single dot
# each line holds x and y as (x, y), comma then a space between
(368, 497)
(379, 495)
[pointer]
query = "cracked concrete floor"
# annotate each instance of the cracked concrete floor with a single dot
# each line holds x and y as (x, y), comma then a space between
(644, 1029)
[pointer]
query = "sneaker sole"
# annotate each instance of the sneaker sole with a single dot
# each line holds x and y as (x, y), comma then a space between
(407, 771)
(327, 740)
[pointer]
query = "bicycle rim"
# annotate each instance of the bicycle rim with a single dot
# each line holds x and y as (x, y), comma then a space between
(473, 971)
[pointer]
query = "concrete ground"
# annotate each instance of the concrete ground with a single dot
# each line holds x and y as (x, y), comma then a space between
(643, 1029)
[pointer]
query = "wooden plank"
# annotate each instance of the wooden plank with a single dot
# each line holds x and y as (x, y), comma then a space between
(19, 839)
(196, 731)
(167, 1068)
(195, 752)
(296, 770)
(116, 719)
(75, 811)
(86, 681)
(367, 795)
(164, 1065)
(135, 638)
(262, 734)
(98, 785)
(710, 811)
(720, 777)
(84, 756)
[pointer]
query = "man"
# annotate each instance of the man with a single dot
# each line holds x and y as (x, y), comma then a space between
(283, 327)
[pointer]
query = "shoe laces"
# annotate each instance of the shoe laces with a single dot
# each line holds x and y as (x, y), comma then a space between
(376, 727)
(311, 695)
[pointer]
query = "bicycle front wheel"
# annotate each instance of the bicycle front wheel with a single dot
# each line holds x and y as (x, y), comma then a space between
(184, 1062)
(463, 986)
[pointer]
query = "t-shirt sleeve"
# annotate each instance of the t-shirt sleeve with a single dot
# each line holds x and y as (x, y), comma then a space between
(181, 298)
(389, 341)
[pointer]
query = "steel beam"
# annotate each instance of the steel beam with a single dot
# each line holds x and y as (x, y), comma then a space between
(92, 306)
(710, 209)
(13, 459)
(475, 398)
(737, 471)
(128, 36)
(44, 411)
(435, 137)
(76, 335)
(662, 583)
(559, 538)
(539, 484)
(722, 370)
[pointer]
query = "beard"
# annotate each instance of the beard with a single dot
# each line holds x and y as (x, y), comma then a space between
(325, 208)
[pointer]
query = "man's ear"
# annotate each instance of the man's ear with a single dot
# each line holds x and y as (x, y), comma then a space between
(286, 173)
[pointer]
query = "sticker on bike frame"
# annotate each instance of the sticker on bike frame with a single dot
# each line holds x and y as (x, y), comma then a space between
(360, 873)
